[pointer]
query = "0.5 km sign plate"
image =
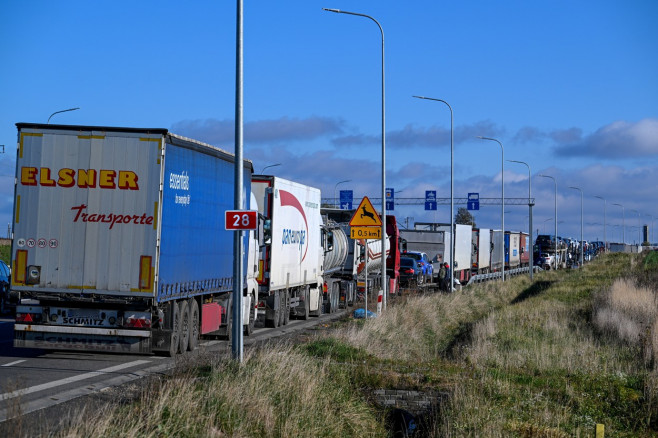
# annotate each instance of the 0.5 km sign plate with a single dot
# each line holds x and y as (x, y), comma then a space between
(365, 232)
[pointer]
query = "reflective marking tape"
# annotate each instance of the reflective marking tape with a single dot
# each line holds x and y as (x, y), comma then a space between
(55, 383)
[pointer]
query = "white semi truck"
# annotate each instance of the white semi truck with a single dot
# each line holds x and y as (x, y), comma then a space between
(292, 257)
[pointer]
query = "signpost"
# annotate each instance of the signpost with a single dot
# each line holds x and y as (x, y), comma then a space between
(366, 224)
(346, 199)
(473, 202)
(430, 200)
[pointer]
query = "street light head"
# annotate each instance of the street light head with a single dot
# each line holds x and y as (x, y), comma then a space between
(331, 10)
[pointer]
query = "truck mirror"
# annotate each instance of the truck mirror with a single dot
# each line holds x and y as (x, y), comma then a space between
(330, 241)
(362, 253)
(267, 232)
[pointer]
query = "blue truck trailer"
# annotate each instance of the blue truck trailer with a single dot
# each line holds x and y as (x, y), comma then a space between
(119, 242)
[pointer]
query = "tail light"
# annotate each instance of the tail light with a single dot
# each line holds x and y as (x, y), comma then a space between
(28, 317)
(137, 320)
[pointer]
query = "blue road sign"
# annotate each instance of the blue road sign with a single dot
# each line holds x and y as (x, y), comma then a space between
(473, 202)
(346, 198)
(390, 199)
(430, 200)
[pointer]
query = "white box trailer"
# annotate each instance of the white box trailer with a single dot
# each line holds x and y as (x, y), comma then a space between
(119, 240)
(292, 258)
(481, 256)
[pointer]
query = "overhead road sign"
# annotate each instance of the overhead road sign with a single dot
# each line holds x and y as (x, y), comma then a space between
(446, 201)
(473, 202)
(346, 199)
(366, 232)
(390, 199)
(365, 215)
(430, 200)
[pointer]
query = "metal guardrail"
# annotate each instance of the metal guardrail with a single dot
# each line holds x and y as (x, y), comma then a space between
(494, 275)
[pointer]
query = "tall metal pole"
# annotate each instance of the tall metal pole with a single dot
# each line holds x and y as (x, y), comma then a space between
(236, 338)
(605, 237)
(530, 204)
(384, 282)
(452, 196)
(582, 241)
(639, 224)
(336, 186)
(554, 182)
(623, 225)
(502, 190)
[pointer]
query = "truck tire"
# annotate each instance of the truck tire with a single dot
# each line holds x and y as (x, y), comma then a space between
(174, 336)
(194, 325)
(286, 307)
(184, 326)
(249, 328)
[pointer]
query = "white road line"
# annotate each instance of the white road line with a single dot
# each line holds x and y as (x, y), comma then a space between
(31, 389)
(13, 363)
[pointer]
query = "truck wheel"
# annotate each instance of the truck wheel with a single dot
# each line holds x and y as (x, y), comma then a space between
(249, 328)
(174, 336)
(184, 326)
(194, 325)
(286, 307)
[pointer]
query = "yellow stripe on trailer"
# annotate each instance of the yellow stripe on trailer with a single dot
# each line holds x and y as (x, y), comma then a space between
(26, 134)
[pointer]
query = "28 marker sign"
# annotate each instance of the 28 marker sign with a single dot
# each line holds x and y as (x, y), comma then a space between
(241, 219)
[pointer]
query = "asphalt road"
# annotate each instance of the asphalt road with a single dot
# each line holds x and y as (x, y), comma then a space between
(32, 380)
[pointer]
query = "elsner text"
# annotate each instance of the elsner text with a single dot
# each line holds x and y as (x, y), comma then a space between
(83, 178)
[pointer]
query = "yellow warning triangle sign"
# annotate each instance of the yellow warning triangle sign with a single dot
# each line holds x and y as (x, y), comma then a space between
(365, 215)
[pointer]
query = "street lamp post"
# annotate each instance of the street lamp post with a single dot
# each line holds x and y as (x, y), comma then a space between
(623, 225)
(502, 191)
(336, 186)
(381, 30)
(554, 182)
(262, 172)
(452, 195)
(605, 238)
(582, 241)
(639, 227)
(62, 111)
(530, 204)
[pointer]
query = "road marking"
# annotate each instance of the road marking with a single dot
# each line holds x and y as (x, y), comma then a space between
(13, 363)
(31, 389)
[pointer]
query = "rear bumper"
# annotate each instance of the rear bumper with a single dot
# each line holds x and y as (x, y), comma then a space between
(82, 338)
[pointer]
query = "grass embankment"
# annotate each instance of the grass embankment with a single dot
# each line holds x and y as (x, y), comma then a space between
(547, 359)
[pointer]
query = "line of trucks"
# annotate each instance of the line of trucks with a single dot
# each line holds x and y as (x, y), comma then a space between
(119, 243)
(477, 250)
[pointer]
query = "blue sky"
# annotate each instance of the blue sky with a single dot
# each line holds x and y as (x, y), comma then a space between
(569, 87)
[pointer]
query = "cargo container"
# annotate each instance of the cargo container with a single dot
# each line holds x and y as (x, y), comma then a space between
(481, 254)
(119, 241)
(512, 249)
(497, 250)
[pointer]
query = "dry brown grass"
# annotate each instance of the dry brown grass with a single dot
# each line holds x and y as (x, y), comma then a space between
(276, 392)
(629, 313)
